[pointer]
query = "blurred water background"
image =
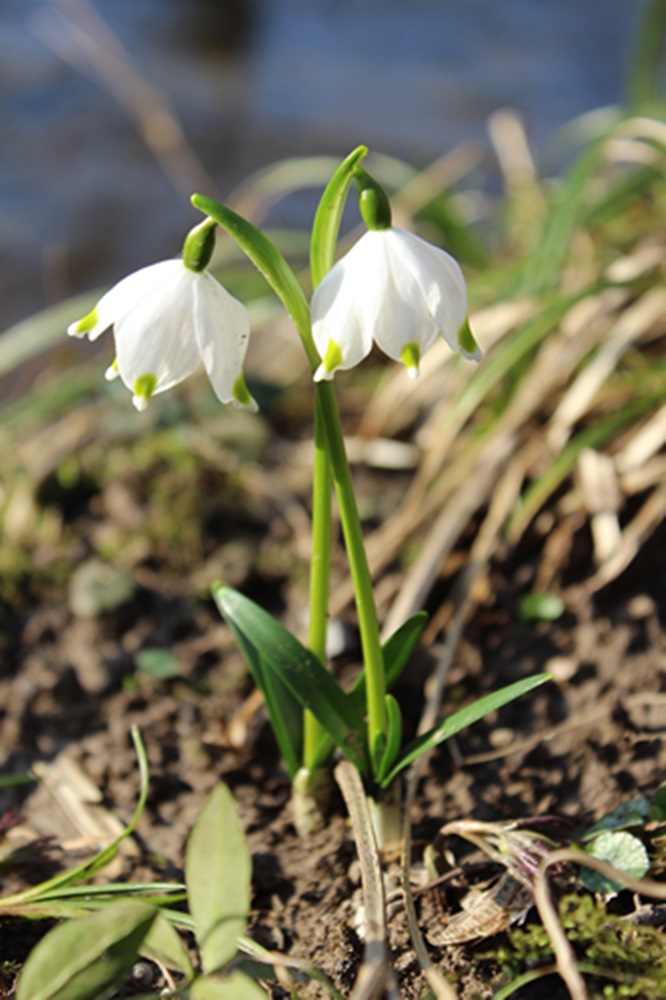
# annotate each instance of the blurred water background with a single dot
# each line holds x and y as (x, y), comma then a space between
(94, 172)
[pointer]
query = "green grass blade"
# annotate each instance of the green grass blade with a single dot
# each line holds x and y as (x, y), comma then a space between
(460, 720)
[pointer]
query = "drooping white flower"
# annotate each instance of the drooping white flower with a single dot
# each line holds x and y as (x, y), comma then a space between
(397, 290)
(167, 320)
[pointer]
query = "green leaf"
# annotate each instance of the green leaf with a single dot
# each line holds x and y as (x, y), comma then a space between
(237, 986)
(621, 849)
(541, 607)
(64, 880)
(460, 720)
(164, 944)
(298, 668)
(393, 737)
(158, 663)
(635, 812)
(270, 262)
(327, 218)
(399, 647)
(87, 957)
(284, 709)
(657, 811)
(218, 871)
(396, 652)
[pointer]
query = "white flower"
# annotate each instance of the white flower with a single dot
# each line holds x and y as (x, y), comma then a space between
(167, 321)
(395, 289)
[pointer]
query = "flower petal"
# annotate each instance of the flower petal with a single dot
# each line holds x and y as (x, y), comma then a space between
(441, 283)
(222, 331)
(122, 298)
(156, 338)
(347, 304)
(406, 319)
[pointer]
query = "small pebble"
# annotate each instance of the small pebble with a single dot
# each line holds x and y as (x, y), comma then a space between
(562, 668)
(641, 606)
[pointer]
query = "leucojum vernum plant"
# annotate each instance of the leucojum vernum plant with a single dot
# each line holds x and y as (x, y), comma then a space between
(392, 288)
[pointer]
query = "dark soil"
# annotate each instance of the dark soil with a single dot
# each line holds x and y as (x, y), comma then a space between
(69, 685)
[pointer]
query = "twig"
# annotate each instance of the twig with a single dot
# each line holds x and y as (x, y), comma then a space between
(564, 954)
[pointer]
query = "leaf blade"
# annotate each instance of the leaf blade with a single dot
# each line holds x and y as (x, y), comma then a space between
(299, 669)
(88, 956)
(218, 871)
(460, 720)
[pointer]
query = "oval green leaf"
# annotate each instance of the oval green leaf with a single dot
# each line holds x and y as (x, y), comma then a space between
(164, 944)
(87, 957)
(218, 871)
(626, 852)
(237, 986)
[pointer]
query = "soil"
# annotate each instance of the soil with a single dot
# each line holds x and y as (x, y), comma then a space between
(70, 688)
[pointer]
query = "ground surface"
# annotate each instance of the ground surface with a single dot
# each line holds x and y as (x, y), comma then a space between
(70, 687)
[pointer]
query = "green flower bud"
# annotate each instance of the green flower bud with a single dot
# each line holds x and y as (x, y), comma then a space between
(372, 201)
(199, 245)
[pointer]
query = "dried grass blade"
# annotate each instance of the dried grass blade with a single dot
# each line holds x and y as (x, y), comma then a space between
(634, 536)
(633, 323)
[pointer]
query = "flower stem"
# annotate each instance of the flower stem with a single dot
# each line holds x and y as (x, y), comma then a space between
(314, 733)
(365, 603)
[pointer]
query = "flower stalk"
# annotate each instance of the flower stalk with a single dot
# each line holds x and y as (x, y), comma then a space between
(391, 289)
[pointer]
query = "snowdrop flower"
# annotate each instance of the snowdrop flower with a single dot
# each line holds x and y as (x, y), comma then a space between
(392, 288)
(168, 319)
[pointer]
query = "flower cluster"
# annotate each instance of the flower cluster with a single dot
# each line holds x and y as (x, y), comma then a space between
(392, 288)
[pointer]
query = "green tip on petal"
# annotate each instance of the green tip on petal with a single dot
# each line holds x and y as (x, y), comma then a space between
(410, 356)
(112, 371)
(241, 393)
(333, 357)
(199, 246)
(85, 325)
(144, 387)
(467, 343)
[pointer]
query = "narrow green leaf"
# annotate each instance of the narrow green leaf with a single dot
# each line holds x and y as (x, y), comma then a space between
(399, 647)
(460, 720)
(546, 263)
(393, 737)
(164, 944)
(646, 56)
(626, 852)
(237, 986)
(299, 669)
(270, 262)
(80, 873)
(284, 709)
(87, 957)
(218, 871)
(396, 652)
(327, 218)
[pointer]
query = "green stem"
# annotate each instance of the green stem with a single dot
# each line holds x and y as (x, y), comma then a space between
(314, 733)
(365, 603)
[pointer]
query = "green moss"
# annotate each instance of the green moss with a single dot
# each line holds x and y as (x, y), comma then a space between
(622, 959)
